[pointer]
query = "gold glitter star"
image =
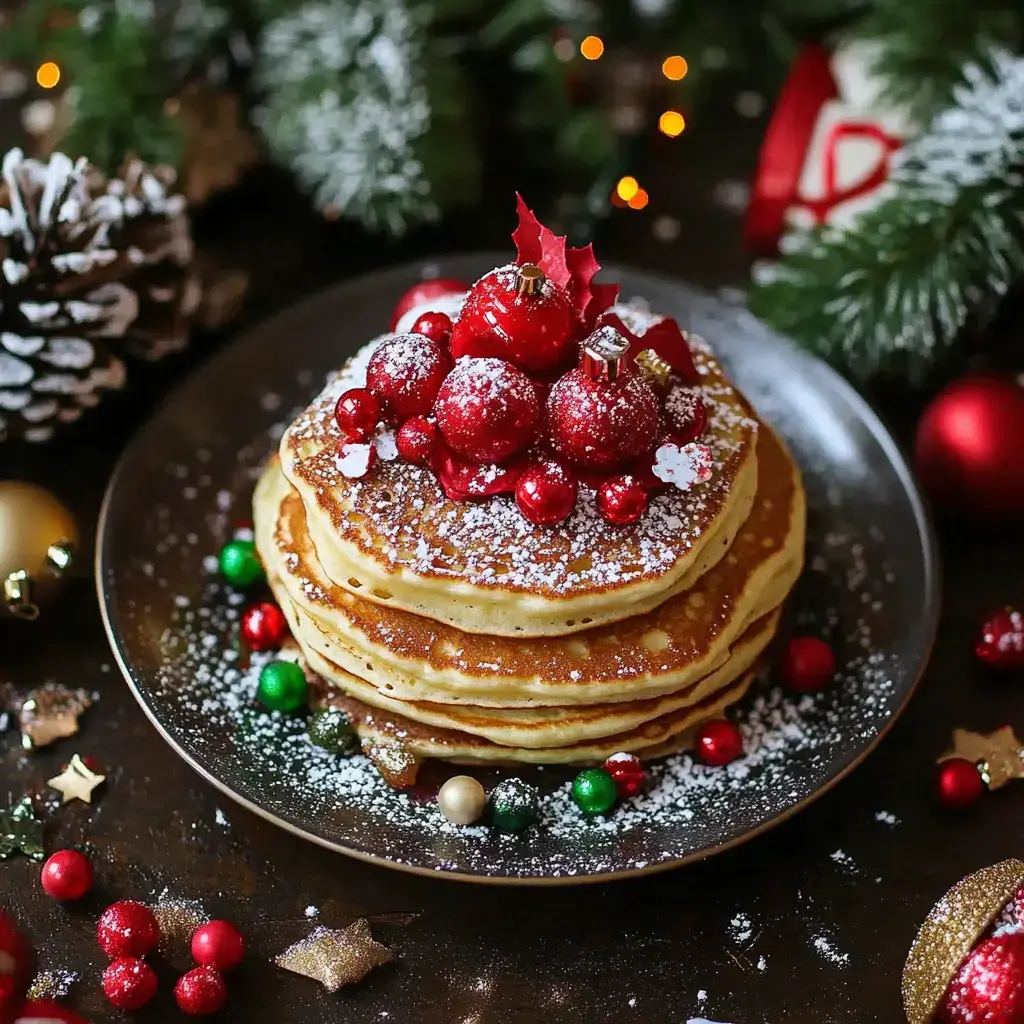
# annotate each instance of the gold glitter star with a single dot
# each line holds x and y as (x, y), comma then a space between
(335, 957)
(76, 782)
(998, 754)
(653, 367)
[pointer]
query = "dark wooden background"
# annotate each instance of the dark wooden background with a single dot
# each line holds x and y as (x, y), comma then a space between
(640, 951)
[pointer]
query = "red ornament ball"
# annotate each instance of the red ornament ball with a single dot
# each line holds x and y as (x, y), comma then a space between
(417, 440)
(1001, 644)
(546, 493)
(808, 664)
(67, 875)
(435, 326)
(200, 992)
(989, 987)
(487, 410)
(405, 373)
(44, 1011)
(686, 415)
(263, 626)
(968, 448)
(516, 314)
(129, 983)
(446, 288)
(218, 944)
(357, 414)
(718, 741)
(602, 424)
(627, 772)
(622, 500)
(19, 965)
(127, 929)
(958, 783)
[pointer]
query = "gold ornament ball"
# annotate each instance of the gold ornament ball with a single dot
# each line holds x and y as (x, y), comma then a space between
(462, 800)
(38, 540)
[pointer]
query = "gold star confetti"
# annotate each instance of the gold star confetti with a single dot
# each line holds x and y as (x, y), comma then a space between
(48, 714)
(998, 754)
(653, 367)
(21, 831)
(335, 957)
(76, 782)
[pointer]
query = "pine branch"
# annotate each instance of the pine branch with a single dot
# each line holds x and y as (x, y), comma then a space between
(894, 293)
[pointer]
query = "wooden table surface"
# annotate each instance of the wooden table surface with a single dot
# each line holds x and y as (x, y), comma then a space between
(809, 923)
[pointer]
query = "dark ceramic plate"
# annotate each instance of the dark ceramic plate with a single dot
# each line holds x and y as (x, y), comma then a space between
(184, 485)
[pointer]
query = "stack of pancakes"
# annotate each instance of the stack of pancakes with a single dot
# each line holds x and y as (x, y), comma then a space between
(462, 631)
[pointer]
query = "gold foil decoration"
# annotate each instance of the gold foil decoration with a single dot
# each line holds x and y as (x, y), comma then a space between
(999, 755)
(178, 920)
(335, 957)
(653, 368)
(48, 714)
(76, 782)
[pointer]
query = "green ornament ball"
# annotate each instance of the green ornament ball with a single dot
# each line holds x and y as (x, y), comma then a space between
(594, 791)
(513, 805)
(332, 730)
(282, 686)
(239, 563)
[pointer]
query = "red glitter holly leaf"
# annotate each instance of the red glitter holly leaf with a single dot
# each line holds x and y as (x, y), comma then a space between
(602, 298)
(540, 245)
(471, 481)
(665, 337)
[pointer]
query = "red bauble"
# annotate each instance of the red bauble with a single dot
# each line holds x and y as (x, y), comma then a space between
(423, 292)
(1001, 644)
(487, 410)
(67, 875)
(129, 983)
(46, 1011)
(686, 415)
(546, 493)
(263, 626)
(417, 440)
(627, 772)
(602, 424)
(127, 929)
(718, 741)
(218, 944)
(435, 326)
(17, 965)
(405, 373)
(968, 448)
(357, 414)
(622, 499)
(989, 987)
(200, 992)
(808, 664)
(516, 314)
(958, 783)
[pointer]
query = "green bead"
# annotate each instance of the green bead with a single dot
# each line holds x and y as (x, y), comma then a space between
(332, 730)
(239, 563)
(282, 686)
(594, 791)
(513, 805)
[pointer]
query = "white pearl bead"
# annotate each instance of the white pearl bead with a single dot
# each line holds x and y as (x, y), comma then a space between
(462, 800)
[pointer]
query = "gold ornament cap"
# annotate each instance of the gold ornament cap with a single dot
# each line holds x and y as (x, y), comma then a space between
(653, 368)
(951, 931)
(529, 278)
(604, 354)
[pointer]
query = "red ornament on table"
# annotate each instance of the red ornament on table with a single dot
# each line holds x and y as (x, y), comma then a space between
(17, 965)
(989, 986)
(622, 500)
(46, 1011)
(66, 875)
(263, 626)
(686, 416)
(1001, 644)
(218, 944)
(546, 493)
(958, 783)
(357, 414)
(424, 292)
(200, 992)
(405, 373)
(435, 326)
(808, 664)
(127, 929)
(417, 440)
(487, 410)
(718, 741)
(627, 772)
(967, 451)
(129, 983)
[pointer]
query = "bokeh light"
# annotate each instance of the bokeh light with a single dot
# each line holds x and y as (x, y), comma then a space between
(671, 123)
(592, 47)
(639, 200)
(675, 68)
(627, 187)
(48, 74)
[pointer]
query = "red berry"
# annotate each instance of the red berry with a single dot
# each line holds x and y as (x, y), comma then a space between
(357, 414)
(686, 415)
(67, 875)
(546, 493)
(516, 314)
(958, 783)
(405, 373)
(487, 410)
(435, 326)
(127, 929)
(718, 741)
(43, 1011)
(989, 986)
(263, 626)
(200, 992)
(129, 983)
(218, 944)
(417, 440)
(1001, 644)
(440, 288)
(628, 773)
(622, 500)
(808, 664)
(18, 965)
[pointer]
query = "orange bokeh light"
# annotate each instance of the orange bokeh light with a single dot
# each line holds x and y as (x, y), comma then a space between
(671, 123)
(592, 47)
(48, 74)
(627, 187)
(675, 68)
(640, 200)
